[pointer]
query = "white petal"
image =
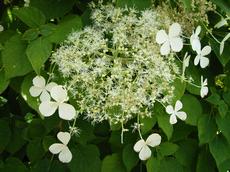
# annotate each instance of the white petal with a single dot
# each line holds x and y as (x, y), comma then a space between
(186, 60)
(65, 155)
(161, 37)
(48, 108)
(165, 48)
(203, 91)
(176, 44)
(39, 81)
(206, 50)
(196, 45)
(174, 30)
(178, 105)
(205, 83)
(50, 86)
(66, 111)
(221, 47)
(35, 91)
(197, 60)
(59, 94)
(64, 137)
(169, 109)
(45, 96)
(198, 30)
(204, 61)
(153, 140)
(139, 145)
(181, 115)
(172, 119)
(145, 153)
(56, 148)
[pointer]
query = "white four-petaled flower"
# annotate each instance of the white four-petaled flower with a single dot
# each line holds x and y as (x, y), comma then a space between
(174, 112)
(65, 110)
(65, 155)
(200, 58)
(204, 88)
(40, 88)
(170, 41)
(195, 40)
(142, 146)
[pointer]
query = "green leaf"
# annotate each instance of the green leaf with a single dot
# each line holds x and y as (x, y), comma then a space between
(224, 127)
(30, 34)
(38, 51)
(53, 8)
(5, 134)
(66, 26)
(36, 129)
(16, 142)
(153, 164)
(163, 120)
(206, 129)
(179, 90)
(205, 162)
(35, 151)
(30, 16)
(193, 109)
(222, 108)
(214, 99)
(26, 84)
(14, 58)
(187, 4)
(186, 153)
(45, 165)
(148, 124)
(223, 4)
(85, 158)
(220, 149)
(167, 148)
(3, 82)
(130, 158)
(113, 163)
(14, 165)
(140, 5)
(225, 166)
(224, 57)
(47, 29)
(195, 74)
(170, 165)
(47, 141)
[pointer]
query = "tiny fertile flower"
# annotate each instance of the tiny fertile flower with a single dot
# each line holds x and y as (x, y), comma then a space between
(171, 40)
(65, 111)
(204, 88)
(142, 146)
(40, 88)
(195, 40)
(200, 58)
(65, 155)
(174, 112)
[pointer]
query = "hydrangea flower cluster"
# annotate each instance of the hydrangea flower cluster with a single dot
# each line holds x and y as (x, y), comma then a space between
(116, 70)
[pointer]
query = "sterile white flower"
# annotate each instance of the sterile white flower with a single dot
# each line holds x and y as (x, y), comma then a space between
(170, 41)
(185, 63)
(65, 155)
(40, 88)
(1, 28)
(142, 146)
(200, 58)
(195, 40)
(174, 112)
(204, 88)
(65, 111)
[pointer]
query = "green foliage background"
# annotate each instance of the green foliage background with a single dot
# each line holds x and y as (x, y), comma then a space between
(200, 144)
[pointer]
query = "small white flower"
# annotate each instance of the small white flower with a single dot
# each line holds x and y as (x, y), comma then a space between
(174, 112)
(170, 41)
(1, 28)
(65, 111)
(143, 146)
(204, 88)
(223, 42)
(200, 58)
(221, 23)
(195, 40)
(65, 155)
(40, 88)
(185, 62)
